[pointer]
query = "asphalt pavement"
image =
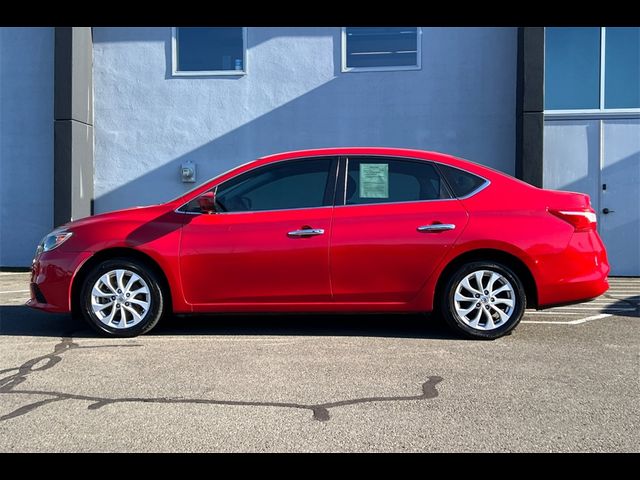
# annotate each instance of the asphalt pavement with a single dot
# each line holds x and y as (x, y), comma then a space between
(567, 379)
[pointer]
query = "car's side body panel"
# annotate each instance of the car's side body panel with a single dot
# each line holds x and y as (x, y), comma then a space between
(371, 257)
(250, 257)
(378, 253)
(152, 231)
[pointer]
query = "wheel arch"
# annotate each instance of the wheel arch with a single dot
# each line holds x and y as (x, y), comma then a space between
(118, 252)
(489, 254)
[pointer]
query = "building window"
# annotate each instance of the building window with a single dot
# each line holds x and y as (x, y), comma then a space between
(572, 70)
(380, 48)
(622, 68)
(591, 68)
(209, 51)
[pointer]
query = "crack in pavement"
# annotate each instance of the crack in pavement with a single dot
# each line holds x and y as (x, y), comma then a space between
(9, 383)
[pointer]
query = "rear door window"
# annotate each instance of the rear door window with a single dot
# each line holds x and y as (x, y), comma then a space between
(387, 180)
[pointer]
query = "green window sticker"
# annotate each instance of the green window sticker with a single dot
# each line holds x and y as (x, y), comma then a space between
(374, 180)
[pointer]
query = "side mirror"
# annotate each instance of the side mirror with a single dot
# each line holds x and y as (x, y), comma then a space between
(207, 202)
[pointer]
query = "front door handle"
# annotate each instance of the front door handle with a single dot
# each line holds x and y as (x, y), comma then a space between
(306, 232)
(606, 211)
(436, 227)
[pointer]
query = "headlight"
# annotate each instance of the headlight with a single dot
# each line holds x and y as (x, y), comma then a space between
(53, 240)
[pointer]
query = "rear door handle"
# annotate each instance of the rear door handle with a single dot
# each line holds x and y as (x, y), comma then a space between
(436, 227)
(306, 232)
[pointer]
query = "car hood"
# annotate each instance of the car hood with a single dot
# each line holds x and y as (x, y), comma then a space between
(127, 214)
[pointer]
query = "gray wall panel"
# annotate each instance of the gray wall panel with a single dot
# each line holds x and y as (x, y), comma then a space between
(26, 141)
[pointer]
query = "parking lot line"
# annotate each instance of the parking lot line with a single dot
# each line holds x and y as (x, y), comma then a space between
(14, 291)
(601, 303)
(617, 309)
(571, 322)
(551, 313)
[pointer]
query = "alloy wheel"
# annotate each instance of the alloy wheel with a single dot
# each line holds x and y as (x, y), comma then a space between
(484, 300)
(120, 299)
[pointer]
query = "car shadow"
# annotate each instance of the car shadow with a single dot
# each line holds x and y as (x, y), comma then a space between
(623, 307)
(318, 325)
(18, 320)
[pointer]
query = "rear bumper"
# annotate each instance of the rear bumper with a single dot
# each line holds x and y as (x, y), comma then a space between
(577, 274)
(52, 275)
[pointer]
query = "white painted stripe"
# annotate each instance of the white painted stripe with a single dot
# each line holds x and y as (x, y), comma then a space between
(14, 291)
(571, 322)
(610, 304)
(589, 319)
(618, 309)
(597, 302)
(551, 313)
(550, 322)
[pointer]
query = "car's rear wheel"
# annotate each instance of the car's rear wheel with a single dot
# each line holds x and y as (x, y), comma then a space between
(122, 298)
(483, 300)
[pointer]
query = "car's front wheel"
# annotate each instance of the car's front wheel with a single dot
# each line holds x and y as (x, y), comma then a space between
(122, 297)
(483, 300)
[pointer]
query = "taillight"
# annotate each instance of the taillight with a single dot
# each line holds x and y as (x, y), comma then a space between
(582, 220)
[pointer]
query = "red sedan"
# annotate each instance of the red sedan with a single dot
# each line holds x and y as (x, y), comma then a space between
(331, 230)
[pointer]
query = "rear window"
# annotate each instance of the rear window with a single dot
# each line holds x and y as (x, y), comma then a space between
(461, 182)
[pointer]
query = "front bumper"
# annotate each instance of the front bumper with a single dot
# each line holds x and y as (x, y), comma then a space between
(52, 275)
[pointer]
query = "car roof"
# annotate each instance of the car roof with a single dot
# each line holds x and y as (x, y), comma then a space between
(391, 151)
(381, 151)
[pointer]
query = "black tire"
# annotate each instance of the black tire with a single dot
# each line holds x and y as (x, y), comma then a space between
(156, 295)
(456, 322)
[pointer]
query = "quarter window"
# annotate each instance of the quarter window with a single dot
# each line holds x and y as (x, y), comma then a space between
(286, 185)
(380, 48)
(461, 182)
(381, 180)
(209, 51)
